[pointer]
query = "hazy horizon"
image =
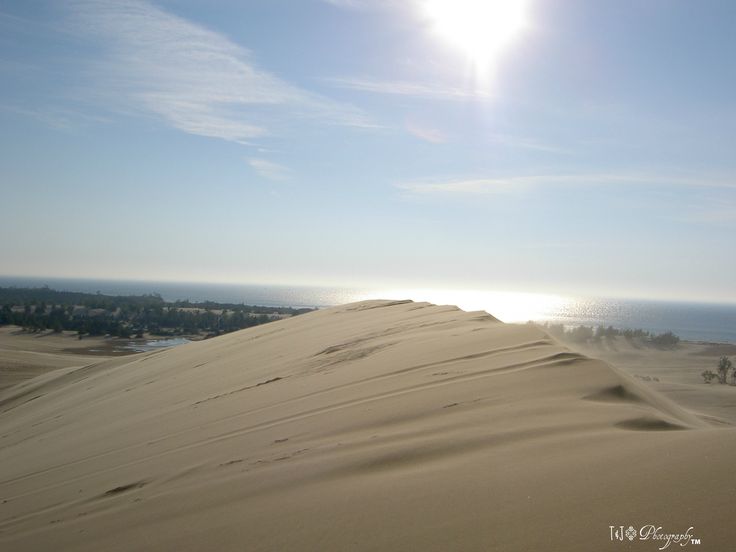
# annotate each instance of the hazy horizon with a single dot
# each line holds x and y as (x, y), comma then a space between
(568, 147)
(418, 291)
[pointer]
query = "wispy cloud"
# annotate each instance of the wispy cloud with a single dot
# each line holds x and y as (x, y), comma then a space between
(372, 4)
(528, 144)
(56, 117)
(713, 211)
(468, 186)
(269, 169)
(347, 3)
(196, 80)
(407, 88)
(426, 133)
(718, 217)
(482, 186)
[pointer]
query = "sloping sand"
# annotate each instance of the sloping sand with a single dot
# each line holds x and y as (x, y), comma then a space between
(674, 372)
(26, 355)
(374, 426)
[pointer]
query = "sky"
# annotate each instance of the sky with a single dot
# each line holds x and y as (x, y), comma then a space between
(550, 146)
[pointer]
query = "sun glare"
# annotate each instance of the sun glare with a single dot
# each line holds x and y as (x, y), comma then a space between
(508, 306)
(481, 29)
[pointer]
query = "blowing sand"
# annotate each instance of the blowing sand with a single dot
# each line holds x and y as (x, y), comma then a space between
(674, 372)
(373, 426)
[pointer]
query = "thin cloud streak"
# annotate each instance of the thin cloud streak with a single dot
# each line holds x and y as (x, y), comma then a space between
(710, 211)
(351, 4)
(58, 118)
(525, 143)
(372, 4)
(196, 80)
(269, 169)
(413, 89)
(483, 186)
(428, 134)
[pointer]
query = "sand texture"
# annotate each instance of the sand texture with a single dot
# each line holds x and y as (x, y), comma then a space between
(373, 426)
(675, 372)
(25, 355)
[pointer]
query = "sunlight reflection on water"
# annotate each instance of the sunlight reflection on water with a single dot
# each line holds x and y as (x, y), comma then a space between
(694, 321)
(506, 306)
(697, 321)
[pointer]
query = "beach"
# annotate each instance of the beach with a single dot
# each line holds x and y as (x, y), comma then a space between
(378, 425)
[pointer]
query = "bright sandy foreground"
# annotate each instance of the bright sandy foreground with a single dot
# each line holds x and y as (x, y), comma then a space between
(373, 426)
(25, 355)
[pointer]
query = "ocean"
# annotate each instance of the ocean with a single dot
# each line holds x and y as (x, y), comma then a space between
(692, 321)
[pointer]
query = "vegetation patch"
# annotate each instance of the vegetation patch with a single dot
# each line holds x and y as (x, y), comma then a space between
(41, 309)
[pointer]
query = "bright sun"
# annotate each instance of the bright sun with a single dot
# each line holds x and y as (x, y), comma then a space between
(480, 28)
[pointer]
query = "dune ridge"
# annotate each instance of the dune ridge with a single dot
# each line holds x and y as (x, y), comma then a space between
(376, 425)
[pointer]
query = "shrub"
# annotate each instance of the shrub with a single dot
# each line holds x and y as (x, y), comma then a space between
(724, 365)
(667, 339)
(581, 334)
(708, 376)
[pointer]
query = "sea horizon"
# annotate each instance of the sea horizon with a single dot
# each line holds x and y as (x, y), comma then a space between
(690, 320)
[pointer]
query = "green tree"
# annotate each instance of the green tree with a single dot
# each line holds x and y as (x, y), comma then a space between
(667, 339)
(724, 365)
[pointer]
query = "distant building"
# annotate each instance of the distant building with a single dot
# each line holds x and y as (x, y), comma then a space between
(79, 312)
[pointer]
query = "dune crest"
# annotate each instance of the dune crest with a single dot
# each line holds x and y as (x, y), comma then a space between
(376, 425)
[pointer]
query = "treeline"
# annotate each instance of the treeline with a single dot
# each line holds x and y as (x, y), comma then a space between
(584, 334)
(39, 309)
(236, 306)
(15, 296)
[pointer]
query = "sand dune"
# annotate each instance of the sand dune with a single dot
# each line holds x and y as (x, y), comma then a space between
(673, 372)
(373, 426)
(26, 355)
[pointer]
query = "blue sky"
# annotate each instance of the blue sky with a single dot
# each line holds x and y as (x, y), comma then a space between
(353, 143)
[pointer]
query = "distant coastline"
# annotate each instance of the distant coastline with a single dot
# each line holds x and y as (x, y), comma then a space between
(691, 321)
